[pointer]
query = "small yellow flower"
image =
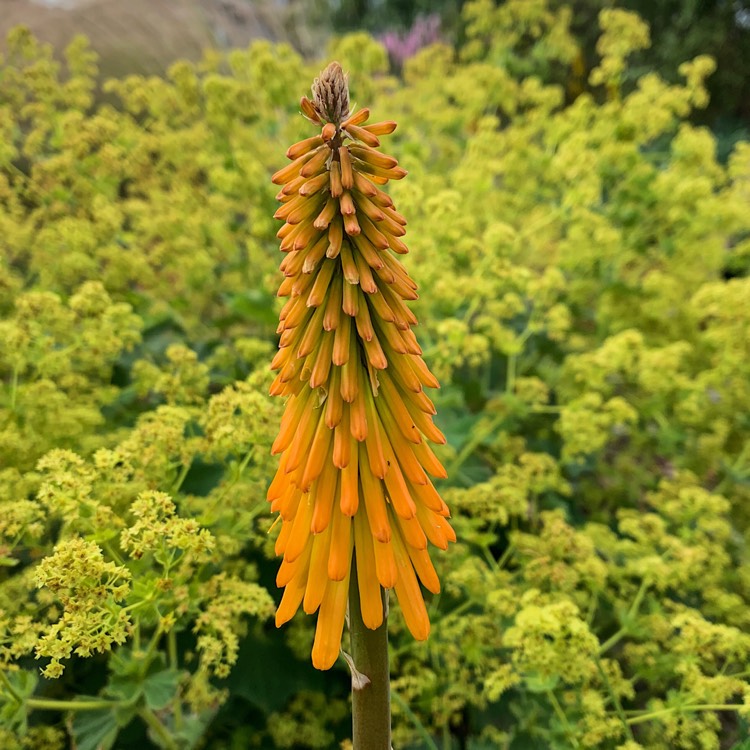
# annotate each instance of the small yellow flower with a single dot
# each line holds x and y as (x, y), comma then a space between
(353, 475)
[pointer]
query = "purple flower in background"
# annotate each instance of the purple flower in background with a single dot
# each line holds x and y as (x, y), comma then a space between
(401, 46)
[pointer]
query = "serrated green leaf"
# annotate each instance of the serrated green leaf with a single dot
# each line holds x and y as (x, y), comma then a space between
(193, 728)
(95, 730)
(541, 684)
(125, 689)
(256, 305)
(160, 688)
(13, 715)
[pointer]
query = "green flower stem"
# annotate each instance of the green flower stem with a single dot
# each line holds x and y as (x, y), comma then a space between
(429, 743)
(632, 612)
(510, 374)
(240, 470)
(44, 704)
(613, 640)
(696, 707)
(174, 664)
(165, 738)
(503, 561)
(9, 687)
(14, 388)
(181, 478)
(477, 439)
(371, 704)
(563, 718)
(615, 699)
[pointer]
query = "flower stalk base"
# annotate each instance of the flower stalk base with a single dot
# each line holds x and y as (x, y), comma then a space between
(371, 702)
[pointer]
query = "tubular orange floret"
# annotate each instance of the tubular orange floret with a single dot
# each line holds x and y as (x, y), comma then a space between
(381, 128)
(372, 156)
(353, 442)
(304, 146)
(357, 118)
(290, 171)
(363, 135)
(308, 110)
(347, 175)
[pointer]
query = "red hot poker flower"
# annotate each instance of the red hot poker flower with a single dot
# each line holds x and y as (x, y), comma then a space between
(355, 467)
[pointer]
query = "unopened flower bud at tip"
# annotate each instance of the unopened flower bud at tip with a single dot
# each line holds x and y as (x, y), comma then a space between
(331, 94)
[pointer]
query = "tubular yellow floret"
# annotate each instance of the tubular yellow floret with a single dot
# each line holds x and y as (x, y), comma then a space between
(353, 441)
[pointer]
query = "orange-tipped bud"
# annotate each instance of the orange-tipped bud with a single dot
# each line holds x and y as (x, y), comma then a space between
(381, 128)
(357, 118)
(360, 134)
(308, 110)
(295, 151)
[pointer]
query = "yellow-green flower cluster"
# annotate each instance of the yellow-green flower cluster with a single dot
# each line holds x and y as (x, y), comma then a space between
(91, 591)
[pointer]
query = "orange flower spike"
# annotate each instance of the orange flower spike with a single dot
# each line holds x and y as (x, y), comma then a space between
(353, 477)
(372, 156)
(327, 642)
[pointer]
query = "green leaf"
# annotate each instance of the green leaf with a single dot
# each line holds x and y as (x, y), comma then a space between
(124, 689)
(193, 729)
(95, 730)
(541, 683)
(13, 714)
(160, 688)
(258, 678)
(255, 304)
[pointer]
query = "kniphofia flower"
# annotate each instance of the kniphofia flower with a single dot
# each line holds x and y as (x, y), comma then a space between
(354, 474)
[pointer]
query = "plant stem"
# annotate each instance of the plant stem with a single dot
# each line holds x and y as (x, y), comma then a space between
(510, 374)
(55, 705)
(562, 718)
(429, 743)
(10, 688)
(14, 388)
(371, 704)
(615, 698)
(632, 612)
(174, 664)
(689, 708)
(165, 738)
(180, 478)
(476, 440)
